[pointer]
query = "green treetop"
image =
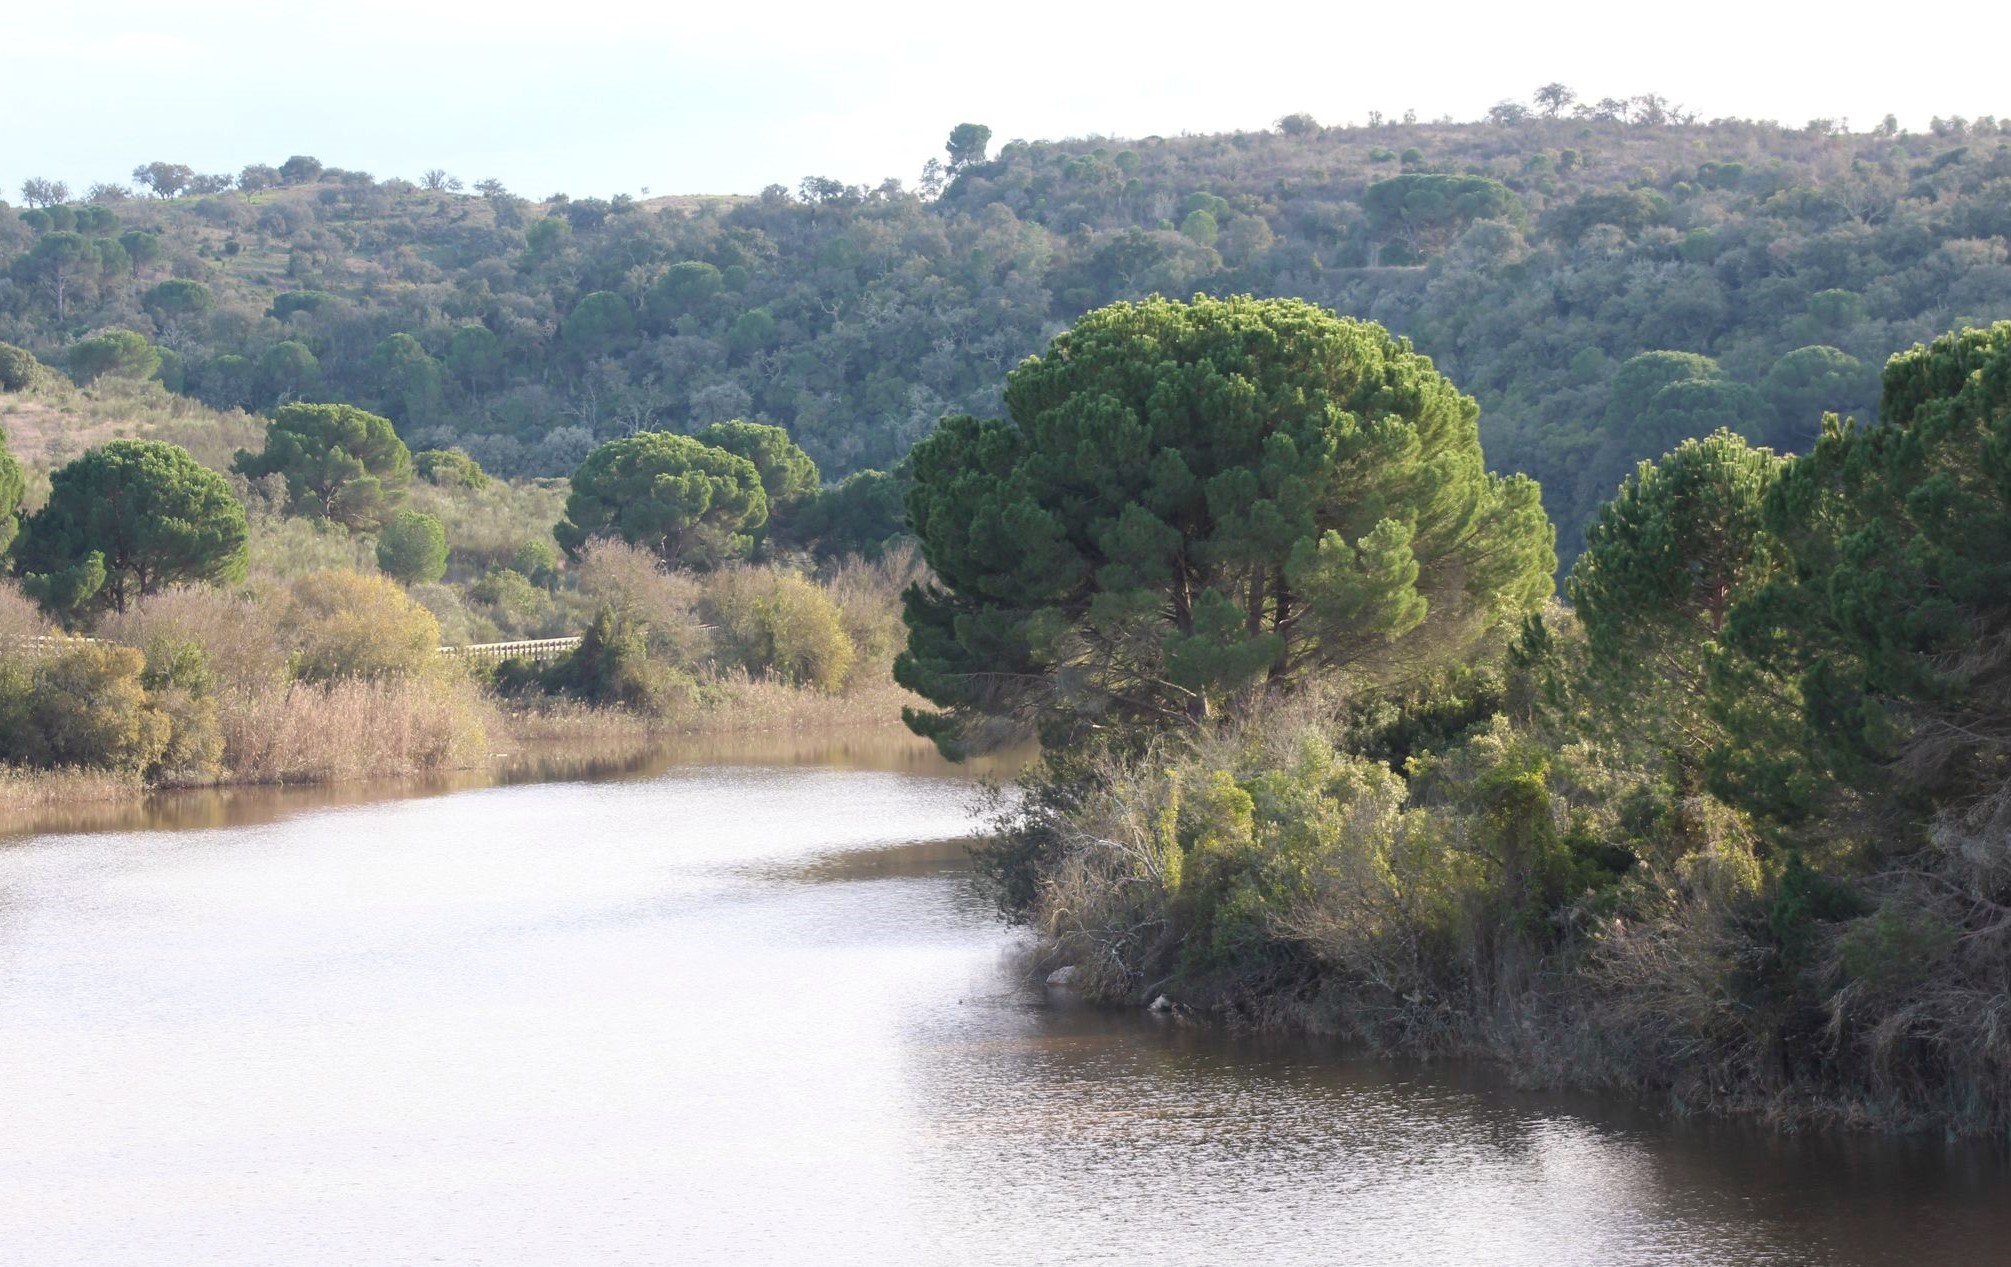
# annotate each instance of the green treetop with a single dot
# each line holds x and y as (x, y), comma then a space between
(1191, 499)
(13, 486)
(339, 462)
(413, 548)
(1662, 566)
(788, 476)
(681, 498)
(128, 520)
(1891, 623)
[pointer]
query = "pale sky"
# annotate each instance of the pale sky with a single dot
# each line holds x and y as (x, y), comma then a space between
(609, 96)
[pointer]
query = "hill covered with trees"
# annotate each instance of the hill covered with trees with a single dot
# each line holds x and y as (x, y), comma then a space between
(1608, 280)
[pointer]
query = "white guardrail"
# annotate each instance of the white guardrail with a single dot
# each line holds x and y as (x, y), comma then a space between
(536, 650)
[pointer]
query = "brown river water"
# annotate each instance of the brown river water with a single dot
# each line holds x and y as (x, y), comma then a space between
(741, 1006)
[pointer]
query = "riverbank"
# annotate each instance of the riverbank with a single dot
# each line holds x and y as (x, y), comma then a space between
(456, 731)
(1525, 905)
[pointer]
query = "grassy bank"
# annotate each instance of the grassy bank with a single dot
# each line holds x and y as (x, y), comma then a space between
(335, 675)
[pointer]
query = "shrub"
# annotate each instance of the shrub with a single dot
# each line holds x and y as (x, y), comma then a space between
(20, 616)
(612, 665)
(614, 574)
(19, 370)
(777, 624)
(345, 625)
(81, 704)
(115, 353)
(449, 468)
(413, 548)
(238, 636)
(518, 607)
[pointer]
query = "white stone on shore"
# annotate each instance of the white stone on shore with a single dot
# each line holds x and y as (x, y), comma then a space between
(1061, 976)
(1161, 1004)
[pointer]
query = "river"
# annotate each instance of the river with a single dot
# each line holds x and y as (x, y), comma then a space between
(747, 1010)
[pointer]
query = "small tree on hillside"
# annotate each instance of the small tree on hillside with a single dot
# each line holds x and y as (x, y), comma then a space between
(967, 145)
(681, 499)
(339, 463)
(128, 520)
(413, 548)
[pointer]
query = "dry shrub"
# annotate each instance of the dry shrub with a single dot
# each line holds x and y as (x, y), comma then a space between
(560, 719)
(628, 579)
(736, 702)
(23, 789)
(20, 618)
(82, 704)
(868, 596)
(489, 526)
(459, 626)
(355, 729)
(347, 625)
(283, 547)
(239, 637)
(775, 624)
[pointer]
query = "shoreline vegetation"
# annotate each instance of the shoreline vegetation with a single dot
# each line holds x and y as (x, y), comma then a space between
(1321, 748)
(186, 610)
(1724, 823)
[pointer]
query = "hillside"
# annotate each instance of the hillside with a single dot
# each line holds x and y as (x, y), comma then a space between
(1533, 259)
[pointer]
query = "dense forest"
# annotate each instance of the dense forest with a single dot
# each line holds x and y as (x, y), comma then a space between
(1607, 280)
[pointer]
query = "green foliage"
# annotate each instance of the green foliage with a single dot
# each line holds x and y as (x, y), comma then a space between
(788, 476)
(127, 520)
(599, 324)
(1671, 553)
(682, 499)
(348, 625)
(1201, 227)
(406, 380)
(449, 468)
(779, 625)
(176, 299)
(1890, 624)
(113, 353)
(1630, 210)
(612, 665)
(684, 288)
(339, 463)
(288, 371)
(1191, 499)
(1812, 381)
(13, 486)
(475, 357)
(19, 370)
(1641, 378)
(967, 144)
(856, 317)
(413, 548)
(859, 515)
(1427, 207)
(81, 704)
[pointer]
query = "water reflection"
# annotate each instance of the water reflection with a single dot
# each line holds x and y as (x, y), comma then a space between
(878, 749)
(751, 1012)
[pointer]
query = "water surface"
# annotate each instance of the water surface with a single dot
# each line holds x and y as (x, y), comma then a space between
(749, 1012)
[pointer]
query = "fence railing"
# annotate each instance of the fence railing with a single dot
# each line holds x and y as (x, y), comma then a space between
(536, 650)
